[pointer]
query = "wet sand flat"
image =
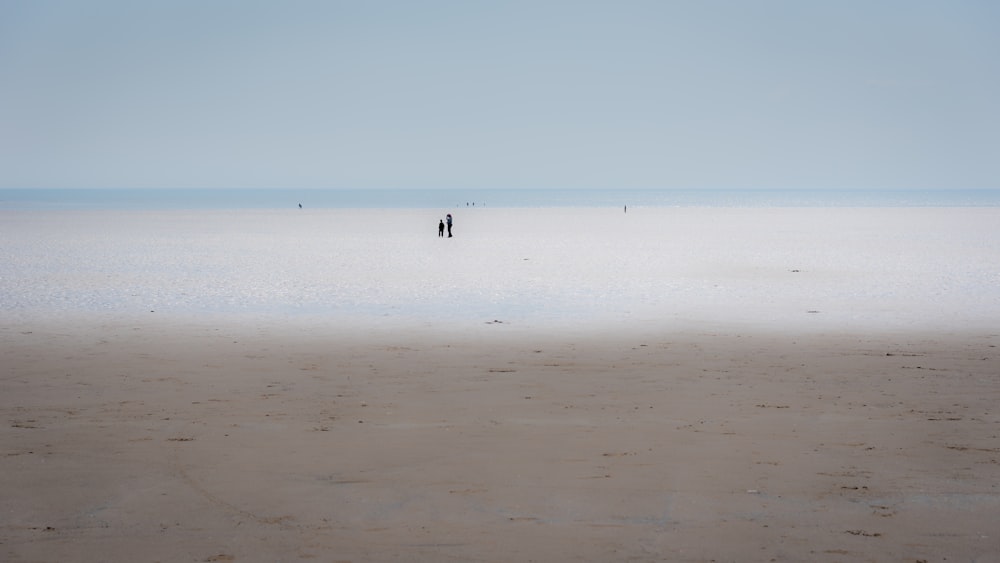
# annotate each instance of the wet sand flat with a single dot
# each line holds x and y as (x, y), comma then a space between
(209, 440)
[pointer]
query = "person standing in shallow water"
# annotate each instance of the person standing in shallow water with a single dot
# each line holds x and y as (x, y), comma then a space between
(449, 225)
(441, 228)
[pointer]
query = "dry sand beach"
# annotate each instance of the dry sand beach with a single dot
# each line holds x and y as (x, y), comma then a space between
(785, 393)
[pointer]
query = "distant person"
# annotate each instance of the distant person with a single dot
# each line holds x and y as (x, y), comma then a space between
(300, 206)
(441, 229)
(449, 224)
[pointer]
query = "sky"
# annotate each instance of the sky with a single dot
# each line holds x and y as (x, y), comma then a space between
(685, 94)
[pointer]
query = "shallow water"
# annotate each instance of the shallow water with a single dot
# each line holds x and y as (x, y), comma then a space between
(818, 268)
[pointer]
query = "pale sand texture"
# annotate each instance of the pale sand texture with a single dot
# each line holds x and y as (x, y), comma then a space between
(163, 440)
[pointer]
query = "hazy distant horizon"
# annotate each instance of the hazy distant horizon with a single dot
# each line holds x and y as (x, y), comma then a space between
(474, 189)
(317, 198)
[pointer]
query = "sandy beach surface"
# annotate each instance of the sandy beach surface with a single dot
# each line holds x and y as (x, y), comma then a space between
(187, 440)
(548, 385)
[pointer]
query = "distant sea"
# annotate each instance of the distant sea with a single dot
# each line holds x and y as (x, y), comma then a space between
(278, 198)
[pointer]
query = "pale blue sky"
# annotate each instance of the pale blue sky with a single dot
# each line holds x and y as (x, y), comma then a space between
(478, 94)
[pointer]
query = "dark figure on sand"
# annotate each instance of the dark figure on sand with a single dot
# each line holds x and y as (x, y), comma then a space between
(449, 225)
(441, 229)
